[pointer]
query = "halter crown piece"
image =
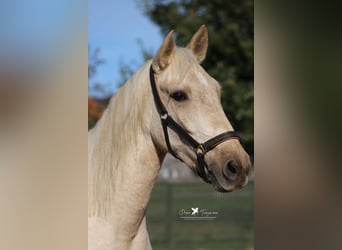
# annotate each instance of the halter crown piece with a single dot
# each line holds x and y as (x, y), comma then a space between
(200, 149)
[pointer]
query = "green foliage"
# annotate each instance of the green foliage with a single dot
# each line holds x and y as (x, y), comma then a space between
(230, 53)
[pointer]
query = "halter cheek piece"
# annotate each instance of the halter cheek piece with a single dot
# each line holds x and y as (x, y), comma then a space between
(200, 149)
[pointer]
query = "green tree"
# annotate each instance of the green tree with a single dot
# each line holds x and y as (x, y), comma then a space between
(230, 53)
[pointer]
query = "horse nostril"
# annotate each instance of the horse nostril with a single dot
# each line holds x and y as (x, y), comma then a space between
(231, 171)
(232, 166)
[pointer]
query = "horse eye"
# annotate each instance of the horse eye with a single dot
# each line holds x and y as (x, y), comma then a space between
(179, 96)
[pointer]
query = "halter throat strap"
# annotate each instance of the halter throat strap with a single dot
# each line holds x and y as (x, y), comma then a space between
(199, 148)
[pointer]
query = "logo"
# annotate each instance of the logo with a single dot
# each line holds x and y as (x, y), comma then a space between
(194, 211)
(197, 213)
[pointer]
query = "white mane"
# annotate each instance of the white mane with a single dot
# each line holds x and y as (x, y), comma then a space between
(111, 138)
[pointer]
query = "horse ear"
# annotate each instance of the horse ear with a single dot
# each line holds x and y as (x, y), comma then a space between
(199, 43)
(164, 55)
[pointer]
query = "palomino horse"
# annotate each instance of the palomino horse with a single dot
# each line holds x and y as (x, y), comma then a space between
(170, 105)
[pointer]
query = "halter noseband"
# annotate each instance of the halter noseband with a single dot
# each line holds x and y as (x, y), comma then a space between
(199, 148)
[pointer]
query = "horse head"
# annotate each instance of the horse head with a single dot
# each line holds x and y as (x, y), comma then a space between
(194, 127)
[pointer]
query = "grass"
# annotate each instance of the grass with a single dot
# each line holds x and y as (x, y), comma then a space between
(231, 230)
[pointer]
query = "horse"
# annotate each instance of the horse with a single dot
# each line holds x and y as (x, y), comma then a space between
(170, 104)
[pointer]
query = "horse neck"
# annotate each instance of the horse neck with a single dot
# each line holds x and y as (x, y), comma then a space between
(123, 169)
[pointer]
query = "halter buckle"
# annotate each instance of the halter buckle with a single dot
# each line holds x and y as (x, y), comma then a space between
(200, 149)
(163, 116)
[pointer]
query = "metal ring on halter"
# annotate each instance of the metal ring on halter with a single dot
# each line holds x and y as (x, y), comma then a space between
(200, 149)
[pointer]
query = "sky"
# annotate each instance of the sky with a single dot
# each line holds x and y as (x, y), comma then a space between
(30, 31)
(115, 27)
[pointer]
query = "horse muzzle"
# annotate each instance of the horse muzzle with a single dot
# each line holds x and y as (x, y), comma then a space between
(228, 174)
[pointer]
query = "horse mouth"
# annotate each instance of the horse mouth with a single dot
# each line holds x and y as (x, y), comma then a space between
(217, 186)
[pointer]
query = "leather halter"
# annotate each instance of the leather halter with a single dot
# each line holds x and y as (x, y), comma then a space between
(199, 148)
